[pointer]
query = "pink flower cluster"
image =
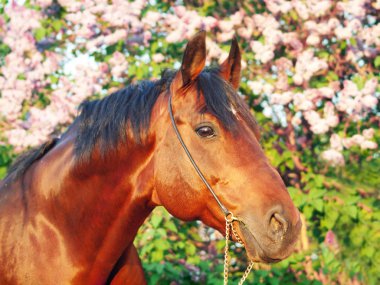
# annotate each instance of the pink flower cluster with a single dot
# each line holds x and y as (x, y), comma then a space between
(24, 73)
(307, 65)
(95, 25)
(364, 141)
(355, 102)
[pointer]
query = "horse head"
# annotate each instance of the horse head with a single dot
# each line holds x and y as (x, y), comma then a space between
(222, 137)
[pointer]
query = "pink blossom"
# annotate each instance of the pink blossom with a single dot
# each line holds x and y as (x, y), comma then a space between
(317, 124)
(313, 39)
(209, 23)
(348, 142)
(158, 57)
(336, 142)
(265, 22)
(226, 26)
(268, 88)
(363, 141)
(245, 33)
(281, 99)
(259, 87)
(368, 133)
(371, 35)
(331, 240)
(319, 8)
(333, 23)
(331, 118)
(302, 103)
(296, 121)
(284, 64)
(70, 5)
(272, 37)
(282, 82)
(358, 139)
(369, 101)
(350, 89)
(151, 18)
(291, 39)
(333, 157)
(326, 92)
(119, 64)
(368, 145)
(307, 65)
(237, 18)
(370, 87)
(353, 7)
(262, 52)
(278, 6)
(175, 36)
(16, 137)
(301, 9)
(214, 50)
(115, 37)
(223, 37)
(180, 10)
(43, 3)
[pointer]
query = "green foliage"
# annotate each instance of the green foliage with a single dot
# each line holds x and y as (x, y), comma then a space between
(5, 159)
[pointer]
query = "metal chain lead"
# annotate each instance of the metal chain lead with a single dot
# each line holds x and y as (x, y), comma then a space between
(229, 224)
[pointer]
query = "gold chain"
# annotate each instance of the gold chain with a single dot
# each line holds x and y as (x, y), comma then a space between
(230, 226)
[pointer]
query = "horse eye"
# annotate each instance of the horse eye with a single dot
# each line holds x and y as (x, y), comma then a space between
(205, 132)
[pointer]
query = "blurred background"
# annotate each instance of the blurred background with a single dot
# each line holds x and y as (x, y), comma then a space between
(310, 75)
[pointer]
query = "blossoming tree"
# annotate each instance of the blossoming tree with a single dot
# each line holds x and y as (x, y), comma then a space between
(311, 71)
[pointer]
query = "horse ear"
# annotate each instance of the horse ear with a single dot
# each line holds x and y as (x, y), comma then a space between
(194, 58)
(231, 67)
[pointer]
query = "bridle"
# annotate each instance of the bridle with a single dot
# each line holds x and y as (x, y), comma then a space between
(229, 217)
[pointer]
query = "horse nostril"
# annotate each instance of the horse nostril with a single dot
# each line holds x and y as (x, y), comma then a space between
(278, 225)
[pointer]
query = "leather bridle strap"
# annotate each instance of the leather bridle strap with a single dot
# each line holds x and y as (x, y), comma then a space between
(228, 215)
(222, 207)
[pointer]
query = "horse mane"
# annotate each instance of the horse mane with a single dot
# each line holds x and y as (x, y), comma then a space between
(103, 123)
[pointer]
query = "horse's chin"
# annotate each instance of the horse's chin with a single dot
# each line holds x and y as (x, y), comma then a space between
(253, 248)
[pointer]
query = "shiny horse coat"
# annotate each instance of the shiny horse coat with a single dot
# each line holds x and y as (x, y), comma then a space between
(70, 209)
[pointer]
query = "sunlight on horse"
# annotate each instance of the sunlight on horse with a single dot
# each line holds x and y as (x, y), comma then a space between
(70, 209)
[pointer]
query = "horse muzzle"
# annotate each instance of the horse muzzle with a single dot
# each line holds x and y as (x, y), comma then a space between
(270, 245)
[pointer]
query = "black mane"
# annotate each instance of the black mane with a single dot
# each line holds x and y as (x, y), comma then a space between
(104, 122)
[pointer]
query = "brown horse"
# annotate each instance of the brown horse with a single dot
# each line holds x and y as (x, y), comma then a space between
(70, 210)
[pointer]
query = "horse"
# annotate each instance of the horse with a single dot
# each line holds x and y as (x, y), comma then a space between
(70, 208)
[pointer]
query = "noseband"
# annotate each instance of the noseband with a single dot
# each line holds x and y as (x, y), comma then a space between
(229, 217)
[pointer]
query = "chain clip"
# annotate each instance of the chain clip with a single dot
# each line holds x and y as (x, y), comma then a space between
(230, 219)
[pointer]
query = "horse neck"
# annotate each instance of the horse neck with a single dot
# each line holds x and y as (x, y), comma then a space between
(97, 206)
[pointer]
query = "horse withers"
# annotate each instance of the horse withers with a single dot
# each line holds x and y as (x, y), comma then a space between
(70, 209)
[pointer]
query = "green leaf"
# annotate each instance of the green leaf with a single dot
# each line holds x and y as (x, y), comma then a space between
(368, 251)
(377, 61)
(162, 244)
(352, 211)
(156, 220)
(169, 224)
(318, 205)
(331, 216)
(3, 172)
(39, 33)
(57, 24)
(157, 255)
